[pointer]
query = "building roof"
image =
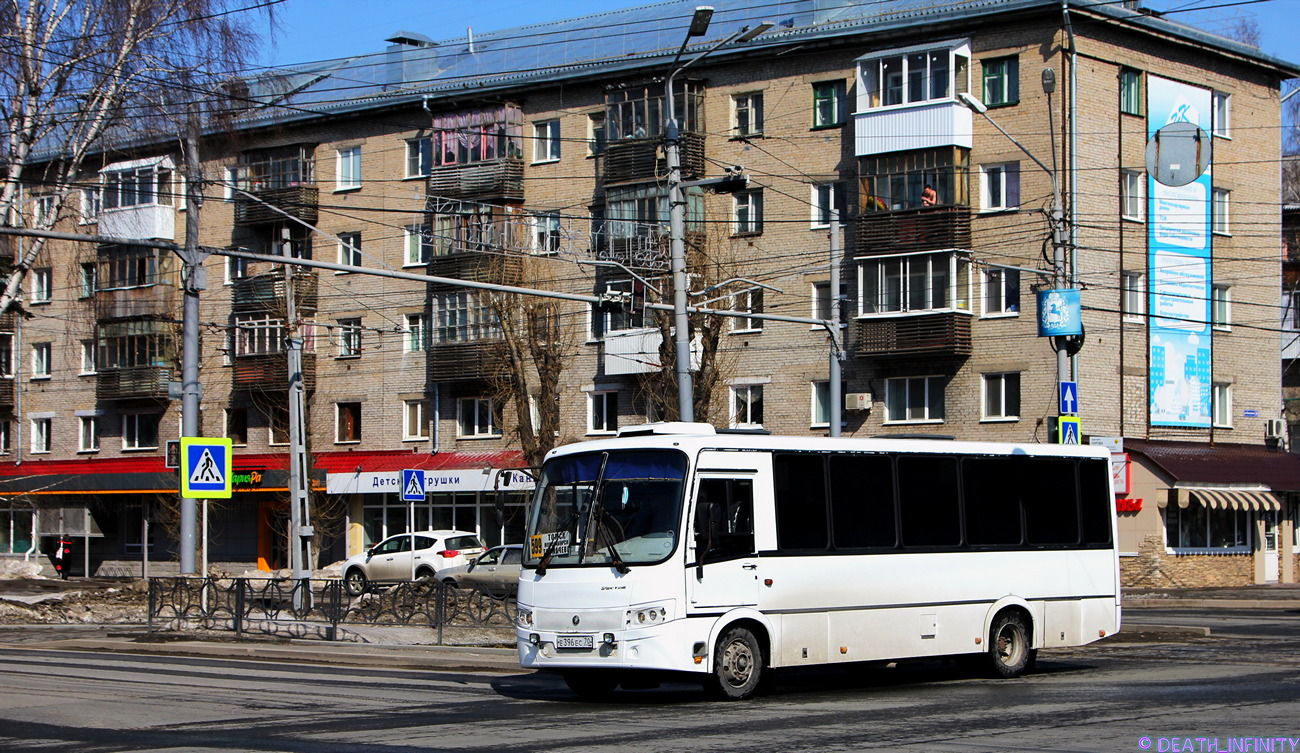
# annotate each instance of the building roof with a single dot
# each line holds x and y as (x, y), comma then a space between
(1228, 464)
(643, 37)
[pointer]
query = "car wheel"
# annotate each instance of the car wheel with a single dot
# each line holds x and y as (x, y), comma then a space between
(354, 582)
(1009, 650)
(591, 684)
(738, 666)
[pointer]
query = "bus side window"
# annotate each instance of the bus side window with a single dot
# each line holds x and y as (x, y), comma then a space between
(724, 518)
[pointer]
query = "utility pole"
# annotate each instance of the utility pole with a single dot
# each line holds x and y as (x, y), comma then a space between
(194, 278)
(300, 530)
(833, 327)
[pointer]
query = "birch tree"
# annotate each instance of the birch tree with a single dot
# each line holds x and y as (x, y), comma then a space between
(78, 76)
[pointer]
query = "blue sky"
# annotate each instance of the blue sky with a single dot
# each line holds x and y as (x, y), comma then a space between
(320, 29)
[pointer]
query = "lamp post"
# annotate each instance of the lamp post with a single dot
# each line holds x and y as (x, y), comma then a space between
(677, 204)
(1059, 230)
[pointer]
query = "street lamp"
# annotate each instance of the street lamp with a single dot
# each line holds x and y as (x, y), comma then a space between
(677, 203)
(1059, 279)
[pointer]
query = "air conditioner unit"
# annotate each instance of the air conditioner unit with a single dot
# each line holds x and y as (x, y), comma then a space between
(1274, 428)
(857, 401)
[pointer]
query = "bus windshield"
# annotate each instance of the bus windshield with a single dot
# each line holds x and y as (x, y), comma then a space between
(607, 508)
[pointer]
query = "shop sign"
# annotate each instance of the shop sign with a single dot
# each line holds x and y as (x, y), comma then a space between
(1128, 505)
(248, 478)
(390, 482)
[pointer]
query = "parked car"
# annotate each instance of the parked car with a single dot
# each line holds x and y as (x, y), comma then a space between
(496, 570)
(392, 560)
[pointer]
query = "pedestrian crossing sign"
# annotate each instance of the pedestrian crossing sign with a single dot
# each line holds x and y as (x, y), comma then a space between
(206, 468)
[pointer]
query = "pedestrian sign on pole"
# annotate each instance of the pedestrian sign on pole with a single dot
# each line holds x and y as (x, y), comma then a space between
(1069, 398)
(412, 485)
(206, 468)
(1068, 430)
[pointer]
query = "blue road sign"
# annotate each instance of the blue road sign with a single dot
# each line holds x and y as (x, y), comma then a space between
(412, 485)
(1069, 397)
(206, 468)
(1068, 428)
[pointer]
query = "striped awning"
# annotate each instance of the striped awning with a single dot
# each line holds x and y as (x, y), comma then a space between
(1236, 499)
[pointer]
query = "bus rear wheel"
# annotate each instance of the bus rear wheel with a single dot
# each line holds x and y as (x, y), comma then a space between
(1009, 650)
(738, 667)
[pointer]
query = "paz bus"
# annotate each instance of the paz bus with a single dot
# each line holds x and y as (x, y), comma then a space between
(678, 548)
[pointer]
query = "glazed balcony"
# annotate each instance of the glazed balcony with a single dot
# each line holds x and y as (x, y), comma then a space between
(300, 201)
(497, 180)
(641, 160)
(134, 383)
(919, 229)
(269, 372)
(945, 334)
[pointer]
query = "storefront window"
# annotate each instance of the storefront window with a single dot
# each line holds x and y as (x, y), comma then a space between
(15, 530)
(464, 511)
(1197, 527)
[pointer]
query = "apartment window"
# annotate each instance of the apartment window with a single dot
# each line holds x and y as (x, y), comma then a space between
(1000, 186)
(476, 417)
(546, 233)
(914, 283)
(6, 438)
(236, 268)
(6, 354)
(1294, 320)
(347, 424)
(602, 411)
(40, 441)
(237, 426)
(1198, 527)
(88, 357)
(747, 213)
(461, 316)
(140, 431)
(42, 285)
(827, 202)
(822, 303)
(127, 267)
(419, 157)
(138, 186)
(89, 433)
(415, 421)
(1220, 210)
(821, 403)
(42, 356)
(1133, 296)
(278, 423)
(1221, 114)
(1221, 307)
(349, 249)
(899, 181)
(92, 203)
(255, 335)
(349, 338)
(750, 301)
(637, 112)
(748, 114)
(1002, 81)
(914, 400)
(1130, 91)
(1001, 291)
(413, 330)
(546, 141)
(88, 279)
(419, 245)
(829, 106)
(348, 170)
(618, 317)
(1002, 396)
(1222, 396)
(43, 214)
(596, 135)
(747, 406)
(1132, 195)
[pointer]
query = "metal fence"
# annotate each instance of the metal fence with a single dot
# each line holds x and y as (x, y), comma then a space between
(320, 608)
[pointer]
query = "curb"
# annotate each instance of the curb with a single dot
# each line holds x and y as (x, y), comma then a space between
(1177, 603)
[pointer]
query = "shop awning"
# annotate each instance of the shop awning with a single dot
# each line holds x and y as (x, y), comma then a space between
(1235, 499)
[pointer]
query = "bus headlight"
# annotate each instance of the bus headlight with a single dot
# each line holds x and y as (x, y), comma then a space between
(649, 614)
(524, 618)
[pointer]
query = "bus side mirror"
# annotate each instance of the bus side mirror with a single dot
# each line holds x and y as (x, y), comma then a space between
(499, 508)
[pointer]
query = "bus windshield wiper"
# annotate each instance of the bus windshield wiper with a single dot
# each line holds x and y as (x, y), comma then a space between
(598, 516)
(603, 529)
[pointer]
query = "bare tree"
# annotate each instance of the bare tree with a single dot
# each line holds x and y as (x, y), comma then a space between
(77, 74)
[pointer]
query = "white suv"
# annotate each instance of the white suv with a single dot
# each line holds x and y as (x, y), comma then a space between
(403, 556)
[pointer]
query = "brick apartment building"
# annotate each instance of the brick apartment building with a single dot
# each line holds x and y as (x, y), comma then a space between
(535, 157)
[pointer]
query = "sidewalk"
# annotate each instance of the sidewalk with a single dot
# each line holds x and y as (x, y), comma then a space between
(1267, 596)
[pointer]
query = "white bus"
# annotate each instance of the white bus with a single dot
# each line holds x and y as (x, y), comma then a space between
(675, 548)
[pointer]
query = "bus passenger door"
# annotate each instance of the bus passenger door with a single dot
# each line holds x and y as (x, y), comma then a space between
(725, 570)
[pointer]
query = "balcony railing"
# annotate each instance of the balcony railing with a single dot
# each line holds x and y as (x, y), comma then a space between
(464, 362)
(7, 393)
(500, 180)
(639, 160)
(154, 300)
(300, 201)
(269, 372)
(920, 229)
(134, 383)
(498, 268)
(945, 334)
(266, 293)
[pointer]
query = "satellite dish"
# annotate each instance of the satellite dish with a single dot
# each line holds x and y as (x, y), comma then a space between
(1178, 154)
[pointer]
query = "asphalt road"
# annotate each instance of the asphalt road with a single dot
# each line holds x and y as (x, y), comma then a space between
(1240, 683)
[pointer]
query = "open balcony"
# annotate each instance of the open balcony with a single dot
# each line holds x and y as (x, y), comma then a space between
(942, 335)
(134, 383)
(498, 180)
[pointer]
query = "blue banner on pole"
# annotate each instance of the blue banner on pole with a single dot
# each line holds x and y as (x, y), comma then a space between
(1059, 313)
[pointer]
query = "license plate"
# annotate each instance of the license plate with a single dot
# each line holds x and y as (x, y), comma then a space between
(575, 641)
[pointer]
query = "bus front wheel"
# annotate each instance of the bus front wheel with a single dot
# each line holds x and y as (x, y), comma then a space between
(1009, 650)
(737, 665)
